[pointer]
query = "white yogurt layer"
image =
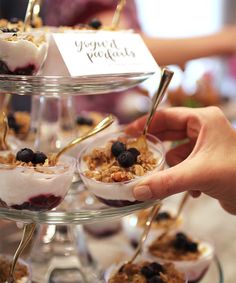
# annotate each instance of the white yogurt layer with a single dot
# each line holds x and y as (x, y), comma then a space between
(116, 190)
(22, 52)
(19, 184)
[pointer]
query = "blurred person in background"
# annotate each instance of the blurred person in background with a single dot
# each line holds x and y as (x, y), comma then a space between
(165, 51)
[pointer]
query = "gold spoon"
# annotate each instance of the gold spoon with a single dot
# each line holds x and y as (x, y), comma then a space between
(148, 224)
(6, 102)
(179, 210)
(166, 77)
(28, 15)
(28, 232)
(117, 15)
(106, 122)
(3, 131)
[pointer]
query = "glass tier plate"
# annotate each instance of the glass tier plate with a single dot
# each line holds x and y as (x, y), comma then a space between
(66, 86)
(73, 210)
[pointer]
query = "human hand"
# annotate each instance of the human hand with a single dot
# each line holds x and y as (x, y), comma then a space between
(225, 40)
(205, 163)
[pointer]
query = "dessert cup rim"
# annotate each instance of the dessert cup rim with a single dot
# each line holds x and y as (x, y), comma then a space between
(85, 148)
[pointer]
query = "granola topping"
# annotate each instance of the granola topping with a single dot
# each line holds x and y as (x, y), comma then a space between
(171, 247)
(162, 220)
(20, 270)
(36, 40)
(11, 161)
(105, 167)
(147, 272)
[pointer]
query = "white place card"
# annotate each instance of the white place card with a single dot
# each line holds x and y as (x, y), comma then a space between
(104, 52)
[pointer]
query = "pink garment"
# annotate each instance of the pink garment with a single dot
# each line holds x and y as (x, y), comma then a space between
(72, 12)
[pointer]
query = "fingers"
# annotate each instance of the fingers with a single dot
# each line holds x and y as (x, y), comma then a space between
(167, 124)
(179, 153)
(171, 181)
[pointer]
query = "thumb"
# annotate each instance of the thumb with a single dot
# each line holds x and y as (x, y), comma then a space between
(182, 177)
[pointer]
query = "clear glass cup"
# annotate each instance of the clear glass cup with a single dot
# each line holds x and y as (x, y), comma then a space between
(23, 53)
(118, 193)
(53, 122)
(39, 188)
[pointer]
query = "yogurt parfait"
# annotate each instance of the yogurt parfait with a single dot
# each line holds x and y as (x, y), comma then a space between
(29, 180)
(113, 164)
(192, 257)
(22, 53)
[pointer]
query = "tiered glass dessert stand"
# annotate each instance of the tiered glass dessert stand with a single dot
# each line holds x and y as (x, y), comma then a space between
(59, 252)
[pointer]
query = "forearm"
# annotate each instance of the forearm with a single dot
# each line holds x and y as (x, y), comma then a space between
(179, 51)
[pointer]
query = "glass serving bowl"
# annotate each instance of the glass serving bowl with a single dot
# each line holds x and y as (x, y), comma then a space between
(22, 53)
(39, 188)
(113, 269)
(118, 194)
(195, 269)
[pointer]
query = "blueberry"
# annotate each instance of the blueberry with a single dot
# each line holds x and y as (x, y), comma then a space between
(147, 271)
(14, 30)
(155, 279)
(192, 247)
(117, 148)
(81, 120)
(135, 152)
(5, 29)
(39, 158)
(14, 20)
(181, 236)
(95, 23)
(180, 242)
(156, 267)
(25, 155)
(162, 216)
(126, 159)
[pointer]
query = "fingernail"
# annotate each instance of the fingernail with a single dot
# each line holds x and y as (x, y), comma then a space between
(142, 193)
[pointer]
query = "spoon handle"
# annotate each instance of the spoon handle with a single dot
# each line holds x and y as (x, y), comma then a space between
(117, 15)
(179, 210)
(26, 237)
(28, 15)
(106, 122)
(166, 76)
(3, 131)
(146, 230)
